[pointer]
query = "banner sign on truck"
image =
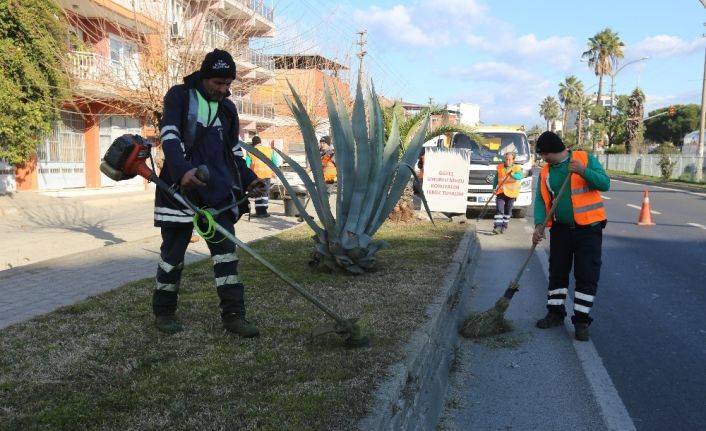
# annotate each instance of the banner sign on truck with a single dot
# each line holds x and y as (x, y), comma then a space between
(446, 179)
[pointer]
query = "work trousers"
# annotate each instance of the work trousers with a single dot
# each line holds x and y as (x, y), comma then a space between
(175, 240)
(503, 211)
(263, 202)
(580, 247)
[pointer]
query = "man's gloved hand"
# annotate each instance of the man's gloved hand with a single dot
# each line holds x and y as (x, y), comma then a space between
(189, 181)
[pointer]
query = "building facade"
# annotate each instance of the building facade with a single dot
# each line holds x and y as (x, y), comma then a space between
(124, 56)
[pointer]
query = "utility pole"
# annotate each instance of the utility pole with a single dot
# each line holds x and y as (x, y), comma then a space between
(700, 155)
(361, 53)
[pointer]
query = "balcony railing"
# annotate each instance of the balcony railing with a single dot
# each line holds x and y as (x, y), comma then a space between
(258, 6)
(247, 107)
(90, 66)
(243, 53)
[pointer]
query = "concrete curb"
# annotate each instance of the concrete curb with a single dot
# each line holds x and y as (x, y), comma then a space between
(412, 397)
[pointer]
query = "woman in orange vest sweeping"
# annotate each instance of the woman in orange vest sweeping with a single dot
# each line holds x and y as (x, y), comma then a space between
(328, 161)
(507, 186)
(262, 171)
(576, 231)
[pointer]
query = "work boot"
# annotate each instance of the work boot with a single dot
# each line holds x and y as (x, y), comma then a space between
(240, 326)
(168, 324)
(503, 229)
(581, 331)
(550, 320)
(496, 231)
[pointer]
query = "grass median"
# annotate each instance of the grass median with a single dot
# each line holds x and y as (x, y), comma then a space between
(101, 364)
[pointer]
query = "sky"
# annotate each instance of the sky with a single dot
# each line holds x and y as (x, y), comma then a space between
(504, 55)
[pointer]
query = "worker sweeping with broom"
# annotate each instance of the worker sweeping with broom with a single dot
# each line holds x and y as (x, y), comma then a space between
(576, 220)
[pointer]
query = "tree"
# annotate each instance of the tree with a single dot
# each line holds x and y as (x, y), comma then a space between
(663, 128)
(604, 50)
(32, 82)
(633, 125)
(570, 92)
(549, 110)
(408, 126)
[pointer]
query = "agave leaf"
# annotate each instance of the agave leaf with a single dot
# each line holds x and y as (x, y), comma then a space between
(362, 160)
(344, 163)
(323, 209)
(255, 152)
(418, 183)
(389, 166)
(310, 142)
(401, 179)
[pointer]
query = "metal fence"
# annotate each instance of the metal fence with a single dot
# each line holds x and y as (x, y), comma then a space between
(7, 178)
(684, 167)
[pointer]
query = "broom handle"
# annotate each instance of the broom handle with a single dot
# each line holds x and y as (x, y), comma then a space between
(515, 283)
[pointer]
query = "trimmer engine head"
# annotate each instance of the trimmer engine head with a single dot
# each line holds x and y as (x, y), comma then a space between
(125, 156)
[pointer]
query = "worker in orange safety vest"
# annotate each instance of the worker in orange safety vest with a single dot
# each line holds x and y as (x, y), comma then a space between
(328, 161)
(507, 187)
(262, 171)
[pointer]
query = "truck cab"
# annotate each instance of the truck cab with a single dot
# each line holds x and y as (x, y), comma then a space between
(486, 153)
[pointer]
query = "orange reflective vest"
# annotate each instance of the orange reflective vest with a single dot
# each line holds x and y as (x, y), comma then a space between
(510, 186)
(587, 203)
(329, 168)
(258, 166)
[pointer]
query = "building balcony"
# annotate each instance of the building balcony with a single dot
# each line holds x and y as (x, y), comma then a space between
(258, 18)
(139, 16)
(98, 75)
(250, 64)
(254, 112)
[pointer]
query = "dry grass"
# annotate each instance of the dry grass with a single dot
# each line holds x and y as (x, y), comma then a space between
(100, 364)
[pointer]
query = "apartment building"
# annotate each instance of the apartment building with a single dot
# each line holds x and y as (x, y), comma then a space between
(123, 58)
(306, 73)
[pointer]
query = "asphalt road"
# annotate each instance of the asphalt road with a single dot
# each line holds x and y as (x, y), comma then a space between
(650, 319)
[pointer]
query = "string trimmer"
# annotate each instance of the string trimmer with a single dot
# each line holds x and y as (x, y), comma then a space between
(492, 322)
(126, 158)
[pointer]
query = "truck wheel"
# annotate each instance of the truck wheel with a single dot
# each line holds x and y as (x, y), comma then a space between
(519, 213)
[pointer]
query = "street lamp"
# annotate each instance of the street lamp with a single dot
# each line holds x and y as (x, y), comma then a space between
(612, 82)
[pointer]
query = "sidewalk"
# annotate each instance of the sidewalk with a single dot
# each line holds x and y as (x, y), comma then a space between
(58, 249)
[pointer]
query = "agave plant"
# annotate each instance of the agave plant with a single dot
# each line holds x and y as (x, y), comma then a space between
(372, 174)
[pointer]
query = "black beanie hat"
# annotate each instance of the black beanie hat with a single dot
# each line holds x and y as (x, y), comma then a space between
(326, 139)
(549, 142)
(218, 64)
(256, 140)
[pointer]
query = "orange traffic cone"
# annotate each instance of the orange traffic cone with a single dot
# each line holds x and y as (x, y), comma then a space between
(645, 214)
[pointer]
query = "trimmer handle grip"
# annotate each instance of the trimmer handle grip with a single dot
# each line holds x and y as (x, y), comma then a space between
(202, 173)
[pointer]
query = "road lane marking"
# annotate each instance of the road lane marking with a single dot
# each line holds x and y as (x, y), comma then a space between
(615, 414)
(697, 225)
(605, 197)
(639, 208)
(661, 187)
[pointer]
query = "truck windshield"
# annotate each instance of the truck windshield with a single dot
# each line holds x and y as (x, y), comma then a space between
(493, 146)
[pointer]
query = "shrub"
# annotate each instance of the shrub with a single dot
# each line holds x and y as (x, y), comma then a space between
(665, 166)
(616, 149)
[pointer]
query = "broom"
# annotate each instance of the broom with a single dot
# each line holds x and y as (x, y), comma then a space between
(495, 192)
(492, 321)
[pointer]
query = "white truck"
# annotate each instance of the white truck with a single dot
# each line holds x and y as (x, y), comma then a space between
(485, 156)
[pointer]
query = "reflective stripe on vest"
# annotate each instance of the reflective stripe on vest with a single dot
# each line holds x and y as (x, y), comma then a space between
(329, 168)
(511, 187)
(587, 203)
(258, 166)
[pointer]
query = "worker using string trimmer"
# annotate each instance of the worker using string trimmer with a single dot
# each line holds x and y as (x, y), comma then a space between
(576, 229)
(200, 127)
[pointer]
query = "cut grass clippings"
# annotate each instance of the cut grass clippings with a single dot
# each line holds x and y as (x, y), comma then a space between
(101, 364)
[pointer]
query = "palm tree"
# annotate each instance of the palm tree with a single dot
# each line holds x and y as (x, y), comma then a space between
(569, 93)
(408, 127)
(604, 50)
(633, 125)
(549, 110)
